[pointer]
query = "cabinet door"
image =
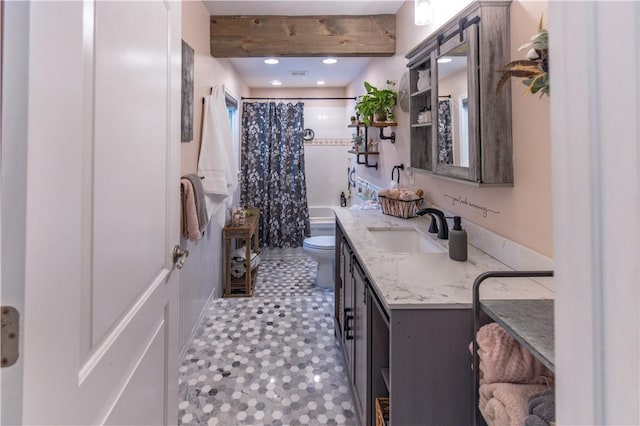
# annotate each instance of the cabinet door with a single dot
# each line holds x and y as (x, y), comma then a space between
(338, 312)
(361, 361)
(348, 313)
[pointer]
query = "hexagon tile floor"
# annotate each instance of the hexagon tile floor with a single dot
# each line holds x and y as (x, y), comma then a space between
(270, 359)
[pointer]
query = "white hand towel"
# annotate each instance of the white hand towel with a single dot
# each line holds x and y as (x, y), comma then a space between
(217, 162)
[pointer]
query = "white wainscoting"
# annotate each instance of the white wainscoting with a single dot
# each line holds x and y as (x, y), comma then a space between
(201, 279)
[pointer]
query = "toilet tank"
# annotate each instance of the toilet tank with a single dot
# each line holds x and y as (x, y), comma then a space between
(322, 220)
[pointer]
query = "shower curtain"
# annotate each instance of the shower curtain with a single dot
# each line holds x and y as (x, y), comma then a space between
(273, 171)
(445, 138)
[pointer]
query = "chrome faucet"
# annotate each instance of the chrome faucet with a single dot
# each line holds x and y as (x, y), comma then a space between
(443, 229)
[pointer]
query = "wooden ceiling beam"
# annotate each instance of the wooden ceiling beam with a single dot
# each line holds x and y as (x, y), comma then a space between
(289, 36)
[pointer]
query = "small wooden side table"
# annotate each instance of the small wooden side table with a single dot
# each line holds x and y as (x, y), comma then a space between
(249, 233)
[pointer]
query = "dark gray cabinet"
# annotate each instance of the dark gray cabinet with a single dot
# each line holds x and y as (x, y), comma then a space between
(418, 358)
(361, 362)
(351, 324)
(348, 313)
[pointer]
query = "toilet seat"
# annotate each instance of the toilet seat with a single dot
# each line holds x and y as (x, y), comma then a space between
(323, 242)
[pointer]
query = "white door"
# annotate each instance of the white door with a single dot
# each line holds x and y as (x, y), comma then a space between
(102, 139)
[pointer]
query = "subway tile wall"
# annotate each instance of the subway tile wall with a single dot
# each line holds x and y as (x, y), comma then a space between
(326, 159)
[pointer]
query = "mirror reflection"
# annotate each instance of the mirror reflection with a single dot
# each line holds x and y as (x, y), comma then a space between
(453, 108)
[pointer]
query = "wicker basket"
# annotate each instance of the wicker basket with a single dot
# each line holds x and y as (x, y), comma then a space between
(400, 208)
(382, 411)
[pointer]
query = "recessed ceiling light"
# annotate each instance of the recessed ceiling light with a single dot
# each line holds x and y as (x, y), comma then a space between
(276, 83)
(329, 61)
(271, 61)
(444, 60)
(320, 82)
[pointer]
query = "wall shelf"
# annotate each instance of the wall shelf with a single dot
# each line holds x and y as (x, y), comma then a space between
(366, 158)
(422, 124)
(375, 124)
(421, 92)
(363, 152)
(381, 126)
(530, 322)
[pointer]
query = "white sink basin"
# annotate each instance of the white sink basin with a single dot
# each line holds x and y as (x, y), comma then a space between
(407, 240)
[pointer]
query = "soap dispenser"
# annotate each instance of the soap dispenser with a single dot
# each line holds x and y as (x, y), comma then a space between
(457, 241)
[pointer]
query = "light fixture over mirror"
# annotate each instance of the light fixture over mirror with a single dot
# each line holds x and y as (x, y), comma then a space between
(423, 12)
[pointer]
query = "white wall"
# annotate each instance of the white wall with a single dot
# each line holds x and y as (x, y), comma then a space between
(326, 169)
(202, 277)
(326, 159)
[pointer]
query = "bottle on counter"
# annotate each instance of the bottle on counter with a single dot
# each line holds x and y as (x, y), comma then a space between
(457, 241)
(343, 200)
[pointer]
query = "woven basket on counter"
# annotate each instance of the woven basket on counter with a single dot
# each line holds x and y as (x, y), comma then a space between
(400, 208)
(382, 411)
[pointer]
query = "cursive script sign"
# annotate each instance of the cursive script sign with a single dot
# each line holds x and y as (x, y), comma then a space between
(464, 201)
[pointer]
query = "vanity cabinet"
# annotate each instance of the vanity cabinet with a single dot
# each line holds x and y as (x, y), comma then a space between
(351, 330)
(418, 358)
(360, 337)
(460, 125)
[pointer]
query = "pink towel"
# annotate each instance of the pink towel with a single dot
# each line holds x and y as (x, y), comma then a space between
(505, 404)
(190, 226)
(503, 359)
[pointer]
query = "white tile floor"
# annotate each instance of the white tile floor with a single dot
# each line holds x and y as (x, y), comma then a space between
(271, 359)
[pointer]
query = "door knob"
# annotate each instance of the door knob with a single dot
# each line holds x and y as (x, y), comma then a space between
(179, 256)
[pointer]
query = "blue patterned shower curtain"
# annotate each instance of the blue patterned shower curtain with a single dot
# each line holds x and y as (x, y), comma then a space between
(445, 138)
(273, 171)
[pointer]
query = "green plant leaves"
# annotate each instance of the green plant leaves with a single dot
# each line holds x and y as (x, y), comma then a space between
(534, 70)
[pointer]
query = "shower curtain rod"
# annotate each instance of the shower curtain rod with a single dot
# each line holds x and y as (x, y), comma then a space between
(298, 99)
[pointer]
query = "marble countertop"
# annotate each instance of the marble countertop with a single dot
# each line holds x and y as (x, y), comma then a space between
(405, 280)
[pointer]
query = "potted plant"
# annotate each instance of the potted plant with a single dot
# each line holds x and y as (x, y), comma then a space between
(376, 104)
(353, 119)
(534, 69)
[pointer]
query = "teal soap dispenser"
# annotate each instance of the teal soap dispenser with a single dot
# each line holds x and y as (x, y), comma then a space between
(458, 241)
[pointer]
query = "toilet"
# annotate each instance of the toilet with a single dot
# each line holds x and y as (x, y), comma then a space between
(322, 249)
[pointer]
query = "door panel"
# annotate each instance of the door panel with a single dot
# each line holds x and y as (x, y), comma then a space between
(347, 283)
(100, 318)
(13, 184)
(360, 340)
(145, 387)
(129, 209)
